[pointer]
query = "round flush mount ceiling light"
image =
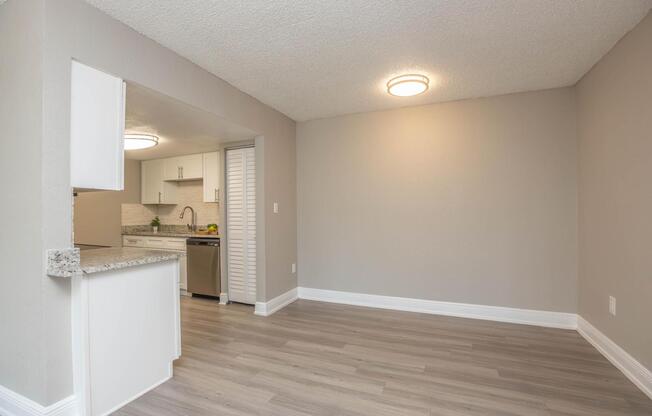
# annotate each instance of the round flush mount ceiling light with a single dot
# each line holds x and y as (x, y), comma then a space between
(140, 141)
(408, 85)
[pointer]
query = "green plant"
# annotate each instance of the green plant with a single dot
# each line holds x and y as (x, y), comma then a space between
(156, 222)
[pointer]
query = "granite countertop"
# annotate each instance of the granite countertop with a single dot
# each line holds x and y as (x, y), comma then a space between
(170, 234)
(105, 259)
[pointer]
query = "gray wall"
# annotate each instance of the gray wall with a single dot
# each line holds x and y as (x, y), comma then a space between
(98, 215)
(22, 360)
(37, 362)
(615, 182)
(472, 201)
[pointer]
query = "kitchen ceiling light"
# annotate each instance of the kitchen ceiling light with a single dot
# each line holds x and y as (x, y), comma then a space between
(140, 141)
(408, 85)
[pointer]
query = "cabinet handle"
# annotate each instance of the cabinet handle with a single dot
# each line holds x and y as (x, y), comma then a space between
(181, 172)
(159, 197)
(178, 172)
(217, 196)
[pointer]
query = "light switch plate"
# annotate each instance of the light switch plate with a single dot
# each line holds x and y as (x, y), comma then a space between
(612, 305)
(294, 268)
(275, 207)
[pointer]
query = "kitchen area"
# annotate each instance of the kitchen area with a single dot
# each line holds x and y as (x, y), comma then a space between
(153, 182)
(174, 181)
(177, 213)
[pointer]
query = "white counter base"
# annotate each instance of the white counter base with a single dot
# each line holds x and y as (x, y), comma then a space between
(126, 324)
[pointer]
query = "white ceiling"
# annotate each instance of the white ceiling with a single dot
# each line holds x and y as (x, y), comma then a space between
(319, 58)
(182, 129)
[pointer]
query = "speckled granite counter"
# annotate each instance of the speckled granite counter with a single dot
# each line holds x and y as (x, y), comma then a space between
(169, 234)
(63, 262)
(105, 259)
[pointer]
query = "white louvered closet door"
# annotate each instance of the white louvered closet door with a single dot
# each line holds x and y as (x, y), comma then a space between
(241, 224)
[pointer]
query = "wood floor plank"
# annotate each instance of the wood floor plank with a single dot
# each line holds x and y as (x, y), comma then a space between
(314, 358)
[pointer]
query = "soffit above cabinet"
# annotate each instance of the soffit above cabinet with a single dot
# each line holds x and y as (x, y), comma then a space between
(181, 128)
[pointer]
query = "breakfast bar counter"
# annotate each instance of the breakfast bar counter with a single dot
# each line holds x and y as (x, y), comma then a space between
(126, 323)
(115, 258)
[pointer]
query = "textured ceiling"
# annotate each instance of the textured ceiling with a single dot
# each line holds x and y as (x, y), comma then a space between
(181, 128)
(318, 58)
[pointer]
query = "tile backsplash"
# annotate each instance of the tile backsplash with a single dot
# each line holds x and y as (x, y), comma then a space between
(189, 193)
(137, 214)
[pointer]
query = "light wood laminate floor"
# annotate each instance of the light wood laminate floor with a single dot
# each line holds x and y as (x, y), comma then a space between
(314, 358)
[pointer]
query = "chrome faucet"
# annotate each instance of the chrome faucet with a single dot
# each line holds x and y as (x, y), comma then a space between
(193, 221)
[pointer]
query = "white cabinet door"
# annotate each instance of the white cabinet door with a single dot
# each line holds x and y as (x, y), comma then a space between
(150, 181)
(168, 193)
(211, 177)
(97, 119)
(191, 167)
(171, 169)
(153, 188)
(183, 168)
(241, 224)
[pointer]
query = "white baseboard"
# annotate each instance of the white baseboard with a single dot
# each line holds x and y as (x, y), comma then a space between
(279, 302)
(224, 298)
(632, 369)
(463, 310)
(131, 399)
(13, 404)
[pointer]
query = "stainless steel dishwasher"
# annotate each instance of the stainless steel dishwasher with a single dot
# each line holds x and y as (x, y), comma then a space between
(204, 276)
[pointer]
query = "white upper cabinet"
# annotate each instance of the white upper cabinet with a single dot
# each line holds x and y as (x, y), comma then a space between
(97, 119)
(211, 177)
(160, 177)
(184, 168)
(150, 177)
(192, 167)
(153, 188)
(171, 169)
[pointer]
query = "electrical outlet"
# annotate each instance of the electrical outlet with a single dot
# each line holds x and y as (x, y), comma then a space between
(294, 268)
(275, 207)
(612, 305)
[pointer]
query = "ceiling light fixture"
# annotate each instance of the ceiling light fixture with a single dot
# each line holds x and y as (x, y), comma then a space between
(140, 141)
(408, 85)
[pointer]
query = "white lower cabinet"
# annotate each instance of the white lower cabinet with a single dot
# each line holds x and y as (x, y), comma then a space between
(130, 241)
(177, 244)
